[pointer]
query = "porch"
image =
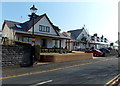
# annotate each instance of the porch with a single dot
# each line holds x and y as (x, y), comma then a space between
(77, 45)
(44, 40)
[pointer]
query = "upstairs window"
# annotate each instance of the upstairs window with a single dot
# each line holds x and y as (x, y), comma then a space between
(47, 29)
(44, 28)
(40, 27)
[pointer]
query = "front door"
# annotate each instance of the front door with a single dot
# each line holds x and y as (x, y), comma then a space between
(44, 43)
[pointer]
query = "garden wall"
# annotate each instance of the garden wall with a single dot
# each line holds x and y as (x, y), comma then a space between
(65, 57)
(13, 55)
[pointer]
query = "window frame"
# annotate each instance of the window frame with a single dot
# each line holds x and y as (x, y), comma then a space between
(43, 28)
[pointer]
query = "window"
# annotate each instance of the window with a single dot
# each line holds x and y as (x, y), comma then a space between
(47, 29)
(43, 43)
(56, 43)
(44, 28)
(18, 38)
(40, 27)
(74, 43)
(30, 40)
(27, 39)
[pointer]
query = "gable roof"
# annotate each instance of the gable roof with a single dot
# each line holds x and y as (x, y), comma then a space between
(10, 23)
(75, 33)
(27, 25)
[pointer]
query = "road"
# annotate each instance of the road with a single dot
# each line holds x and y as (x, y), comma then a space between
(96, 71)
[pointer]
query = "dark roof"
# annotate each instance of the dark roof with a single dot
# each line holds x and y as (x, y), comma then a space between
(24, 26)
(28, 24)
(11, 23)
(65, 34)
(56, 28)
(75, 33)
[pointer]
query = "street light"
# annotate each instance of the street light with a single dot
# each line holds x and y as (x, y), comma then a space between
(33, 11)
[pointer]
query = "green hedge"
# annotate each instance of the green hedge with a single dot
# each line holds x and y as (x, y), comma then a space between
(55, 51)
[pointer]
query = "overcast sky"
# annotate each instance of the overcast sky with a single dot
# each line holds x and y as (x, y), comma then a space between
(98, 17)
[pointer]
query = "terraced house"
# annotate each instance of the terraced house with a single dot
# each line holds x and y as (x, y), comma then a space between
(46, 33)
(99, 42)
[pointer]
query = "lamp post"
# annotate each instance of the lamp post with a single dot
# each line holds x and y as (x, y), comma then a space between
(33, 11)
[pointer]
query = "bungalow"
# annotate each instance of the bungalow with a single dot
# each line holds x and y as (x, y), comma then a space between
(46, 34)
(79, 39)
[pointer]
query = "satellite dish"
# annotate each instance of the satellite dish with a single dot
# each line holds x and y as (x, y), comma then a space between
(18, 26)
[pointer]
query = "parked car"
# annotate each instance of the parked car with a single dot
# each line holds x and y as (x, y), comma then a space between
(95, 52)
(104, 50)
(109, 48)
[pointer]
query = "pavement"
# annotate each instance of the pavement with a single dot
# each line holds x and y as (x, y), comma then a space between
(97, 71)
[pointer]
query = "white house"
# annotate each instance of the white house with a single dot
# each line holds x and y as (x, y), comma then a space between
(79, 39)
(98, 42)
(46, 34)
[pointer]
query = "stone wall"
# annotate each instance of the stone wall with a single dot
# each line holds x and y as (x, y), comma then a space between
(12, 55)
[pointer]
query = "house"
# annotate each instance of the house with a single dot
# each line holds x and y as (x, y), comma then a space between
(98, 42)
(45, 32)
(79, 39)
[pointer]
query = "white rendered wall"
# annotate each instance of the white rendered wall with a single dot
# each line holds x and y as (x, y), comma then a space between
(63, 43)
(85, 35)
(44, 22)
(7, 32)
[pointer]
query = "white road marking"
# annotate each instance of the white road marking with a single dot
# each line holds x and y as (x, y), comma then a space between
(41, 83)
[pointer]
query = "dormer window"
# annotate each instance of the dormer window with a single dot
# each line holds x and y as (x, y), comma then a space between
(43, 28)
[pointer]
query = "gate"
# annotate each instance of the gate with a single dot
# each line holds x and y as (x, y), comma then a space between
(27, 59)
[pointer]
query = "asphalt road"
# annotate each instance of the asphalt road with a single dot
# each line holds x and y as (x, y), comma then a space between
(86, 72)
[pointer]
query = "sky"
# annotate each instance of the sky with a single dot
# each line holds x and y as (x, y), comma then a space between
(98, 17)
